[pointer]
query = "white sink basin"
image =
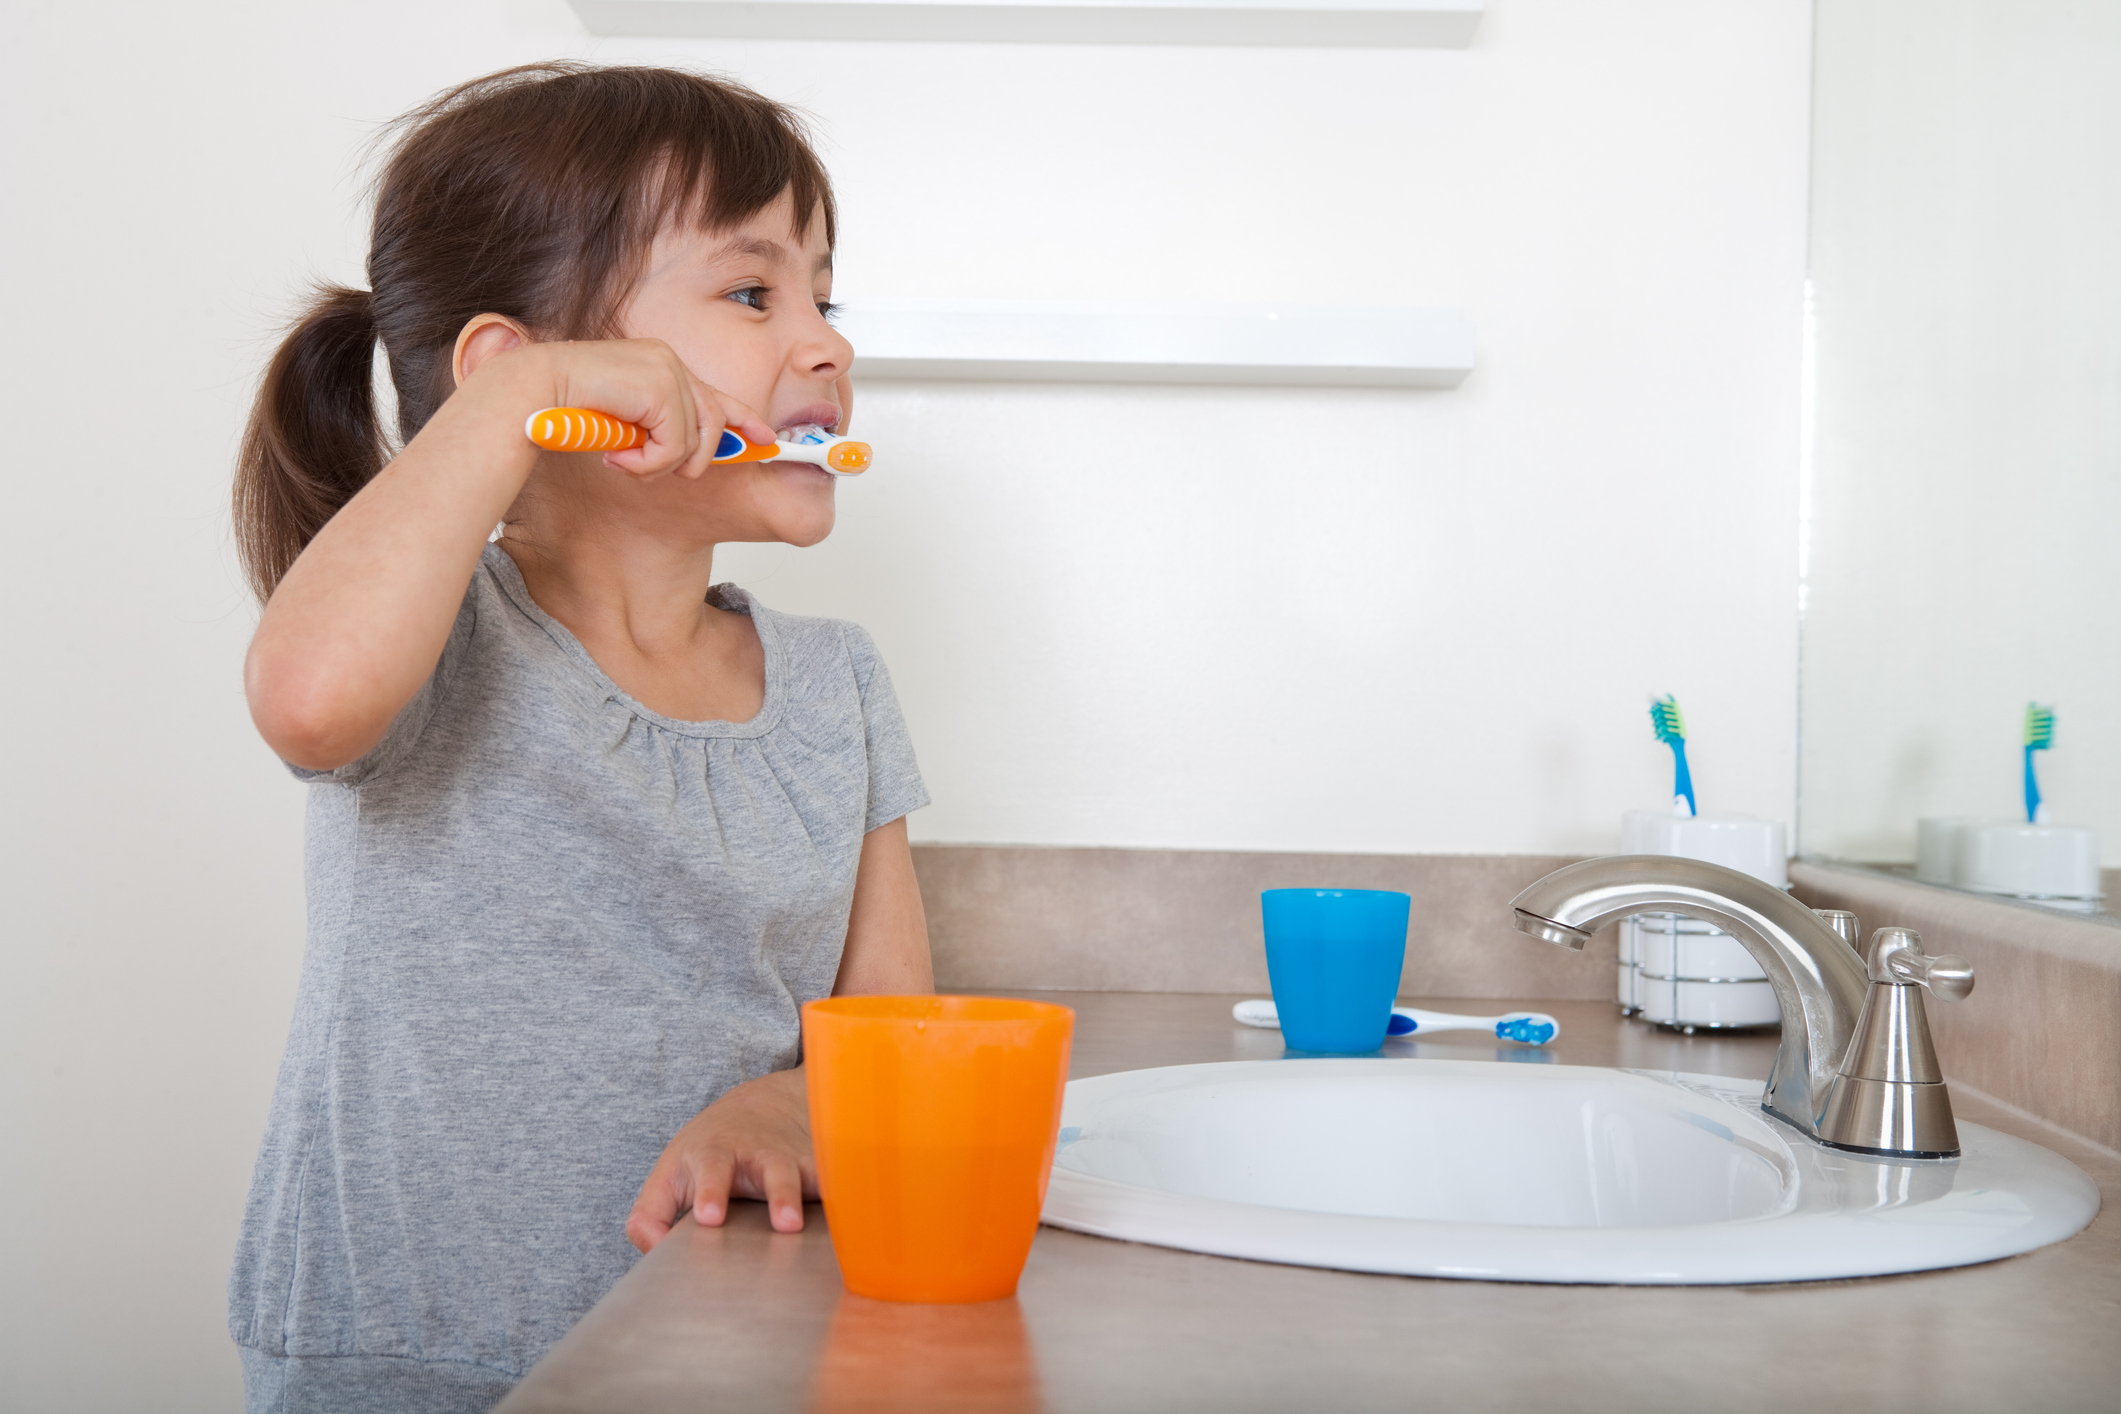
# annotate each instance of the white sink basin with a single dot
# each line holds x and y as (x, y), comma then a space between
(1529, 1173)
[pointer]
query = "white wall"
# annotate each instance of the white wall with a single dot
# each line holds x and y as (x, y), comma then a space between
(1438, 641)
(1441, 638)
(1967, 501)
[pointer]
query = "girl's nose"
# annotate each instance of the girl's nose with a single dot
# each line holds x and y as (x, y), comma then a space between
(824, 351)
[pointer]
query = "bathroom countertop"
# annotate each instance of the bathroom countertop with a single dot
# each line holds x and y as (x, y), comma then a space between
(744, 1318)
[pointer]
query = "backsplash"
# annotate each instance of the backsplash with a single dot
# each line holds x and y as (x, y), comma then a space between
(1173, 920)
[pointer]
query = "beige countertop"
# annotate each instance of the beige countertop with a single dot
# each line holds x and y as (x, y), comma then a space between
(745, 1318)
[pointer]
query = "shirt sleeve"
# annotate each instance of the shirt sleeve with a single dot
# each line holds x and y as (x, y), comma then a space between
(412, 719)
(895, 785)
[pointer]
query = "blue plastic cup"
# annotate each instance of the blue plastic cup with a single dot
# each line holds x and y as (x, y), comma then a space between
(1333, 958)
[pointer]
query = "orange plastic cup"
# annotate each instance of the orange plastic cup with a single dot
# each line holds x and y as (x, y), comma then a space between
(934, 1121)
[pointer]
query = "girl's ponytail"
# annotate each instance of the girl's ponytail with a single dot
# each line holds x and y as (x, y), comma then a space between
(313, 439)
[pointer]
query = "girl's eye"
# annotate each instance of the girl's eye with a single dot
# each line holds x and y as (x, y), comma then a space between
(827, 308)
(751, 296)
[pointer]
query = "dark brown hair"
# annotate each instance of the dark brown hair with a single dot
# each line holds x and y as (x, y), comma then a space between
(535, 193)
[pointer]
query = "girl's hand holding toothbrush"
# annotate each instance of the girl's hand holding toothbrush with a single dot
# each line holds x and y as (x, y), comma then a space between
(643, 382)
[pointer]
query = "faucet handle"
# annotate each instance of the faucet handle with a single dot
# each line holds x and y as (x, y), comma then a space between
(1890, 1097)
(1844, 925)
(1897, 957)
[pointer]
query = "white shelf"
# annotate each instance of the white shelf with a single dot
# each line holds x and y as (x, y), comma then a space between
(1043, 341)
(1423, 24)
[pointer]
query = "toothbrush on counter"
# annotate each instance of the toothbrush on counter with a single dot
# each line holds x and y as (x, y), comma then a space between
(2039, 736)
(581, 430)
(1671, 730)
(1533, 1028)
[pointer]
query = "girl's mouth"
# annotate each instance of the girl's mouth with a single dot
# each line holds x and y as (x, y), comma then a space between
(824, 415)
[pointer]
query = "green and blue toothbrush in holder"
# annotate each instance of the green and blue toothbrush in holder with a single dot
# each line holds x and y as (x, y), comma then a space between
(1671, 730)
(2039, 736)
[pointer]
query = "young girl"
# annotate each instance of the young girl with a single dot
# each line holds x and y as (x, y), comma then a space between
(585, 830)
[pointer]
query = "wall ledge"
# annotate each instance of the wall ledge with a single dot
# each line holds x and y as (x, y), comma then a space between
(1103, 341)
(1400, 24)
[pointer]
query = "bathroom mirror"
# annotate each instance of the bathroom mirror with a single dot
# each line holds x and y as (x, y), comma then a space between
(1962, 547)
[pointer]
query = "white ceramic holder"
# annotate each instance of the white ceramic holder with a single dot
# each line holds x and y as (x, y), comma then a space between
(1937, 847)
(2053, 864)
(1678, 971)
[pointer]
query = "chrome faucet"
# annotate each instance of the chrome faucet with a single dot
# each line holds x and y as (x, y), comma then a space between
(1821, 986)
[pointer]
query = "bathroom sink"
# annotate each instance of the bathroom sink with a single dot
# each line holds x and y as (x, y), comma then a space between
(1529, 1173)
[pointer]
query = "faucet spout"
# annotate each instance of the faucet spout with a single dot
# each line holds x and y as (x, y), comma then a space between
(1819, 980)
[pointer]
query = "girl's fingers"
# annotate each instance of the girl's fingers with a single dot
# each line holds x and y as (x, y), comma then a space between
(644, 1231)
(673, 440)
(656, 1208)
(752, 427)
(710, 1189)
(648, 376)
(780, 1182)
(718, 410)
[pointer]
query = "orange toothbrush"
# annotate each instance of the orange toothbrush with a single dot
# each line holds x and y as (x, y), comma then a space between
(581, 430)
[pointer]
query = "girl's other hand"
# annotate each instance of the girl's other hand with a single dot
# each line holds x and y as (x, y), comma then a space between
(643, 381)
(754, 1142)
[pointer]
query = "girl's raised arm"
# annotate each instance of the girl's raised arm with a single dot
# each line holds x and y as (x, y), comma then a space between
(358, 621)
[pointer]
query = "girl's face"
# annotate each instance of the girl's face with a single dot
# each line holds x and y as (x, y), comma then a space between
(745, 308)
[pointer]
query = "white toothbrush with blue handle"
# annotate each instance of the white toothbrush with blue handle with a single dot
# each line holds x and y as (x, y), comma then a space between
(1531, 1028)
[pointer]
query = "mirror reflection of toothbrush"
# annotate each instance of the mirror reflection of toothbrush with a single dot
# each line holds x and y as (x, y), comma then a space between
(1531, 1028)
(581, 430)
(2039, 736)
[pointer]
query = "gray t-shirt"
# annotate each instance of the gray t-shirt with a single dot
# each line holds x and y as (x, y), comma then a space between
(547, 926)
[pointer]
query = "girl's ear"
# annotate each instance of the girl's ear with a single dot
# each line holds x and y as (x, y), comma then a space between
(482, 338)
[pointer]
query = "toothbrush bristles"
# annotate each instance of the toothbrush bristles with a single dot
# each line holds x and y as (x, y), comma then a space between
(2039, 727)
(1528, 1030)
(1664, 716)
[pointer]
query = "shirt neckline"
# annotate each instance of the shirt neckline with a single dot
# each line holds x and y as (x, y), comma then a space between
(725, 596)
